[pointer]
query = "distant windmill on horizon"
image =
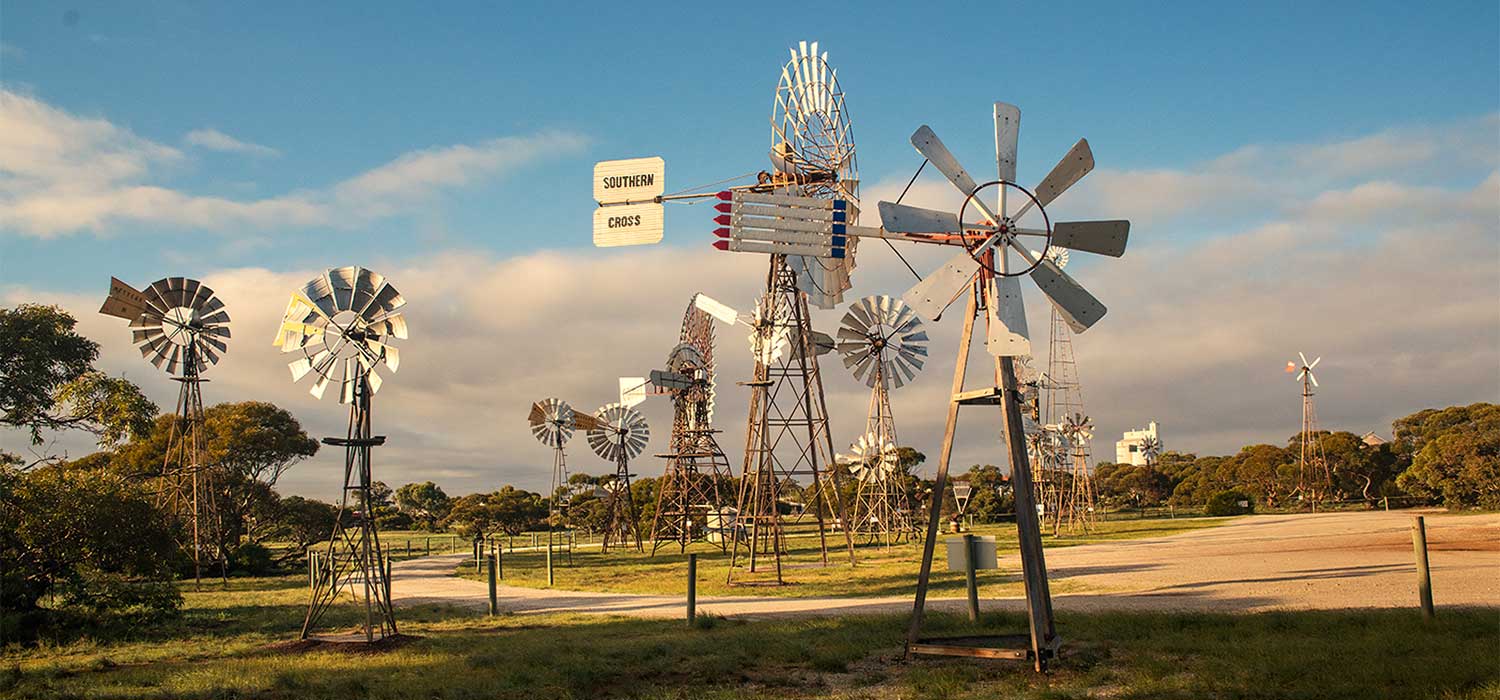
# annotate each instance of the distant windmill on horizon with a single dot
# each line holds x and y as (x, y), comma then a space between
(1310, 448)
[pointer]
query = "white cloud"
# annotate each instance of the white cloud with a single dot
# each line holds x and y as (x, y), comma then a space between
(215, 140)
(62, 174)
(1393, 282)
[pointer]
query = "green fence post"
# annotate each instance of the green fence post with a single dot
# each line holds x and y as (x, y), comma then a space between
(494, 601)
(971, 577)
(1424, 576)
(692, 593)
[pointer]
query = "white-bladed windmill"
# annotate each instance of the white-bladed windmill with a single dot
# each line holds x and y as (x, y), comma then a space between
(1063, 407)
(988, 272)
(775, 345)
(181, 328)
(812, 158)
(340, 325)
(618, 435)
(552, 423)
(690, 503)
(882, 343)
(1314, 478)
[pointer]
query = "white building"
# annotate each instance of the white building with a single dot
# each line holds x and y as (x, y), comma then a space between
(1128, 450)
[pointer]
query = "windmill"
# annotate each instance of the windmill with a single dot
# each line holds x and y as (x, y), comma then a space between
(1063, 402)
(812, 157)
(618, 435)
(989, 271)
(1150, 450)
(552, 423)
(1310, 456)
(882, 343)
(180, 327)
(341, 323)
(689, 502)
(1075, 511)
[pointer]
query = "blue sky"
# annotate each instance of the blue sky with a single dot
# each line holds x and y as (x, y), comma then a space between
(257, 142)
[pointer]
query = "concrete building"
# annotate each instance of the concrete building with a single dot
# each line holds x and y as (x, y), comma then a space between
(1128, 450)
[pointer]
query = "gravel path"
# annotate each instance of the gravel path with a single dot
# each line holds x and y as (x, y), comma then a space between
(1306, 561)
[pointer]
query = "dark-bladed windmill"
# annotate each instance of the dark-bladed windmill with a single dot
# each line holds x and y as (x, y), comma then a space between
(340, 326)
(690, 502)
(182, 329)
(618, 435)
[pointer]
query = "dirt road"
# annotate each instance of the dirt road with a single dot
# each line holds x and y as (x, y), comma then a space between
(1334, 560)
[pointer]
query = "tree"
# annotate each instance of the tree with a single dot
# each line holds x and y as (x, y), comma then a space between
(990, 497)
(425, 503)
(1455, 455)
(89, 539)
(304, 522)
(509, 510)
(48, 382)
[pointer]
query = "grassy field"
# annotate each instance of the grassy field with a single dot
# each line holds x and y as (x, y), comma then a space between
(222, 649)
(880, 571)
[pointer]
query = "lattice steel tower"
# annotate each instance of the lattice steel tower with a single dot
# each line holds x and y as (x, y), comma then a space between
(1072, 503)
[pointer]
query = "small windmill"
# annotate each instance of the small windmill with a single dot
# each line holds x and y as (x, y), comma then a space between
(341, 323)
(689, 503)
(1076, 509)
(882, 343)
(552, 422)
(180, 327)
(1311, 486)
(1150, 449)
(618, 435)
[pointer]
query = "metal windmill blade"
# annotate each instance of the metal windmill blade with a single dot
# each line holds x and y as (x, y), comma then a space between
(341, 323)
(881, 330)
(620, 433)
(551, 422)
(177, 322)
(995, 237)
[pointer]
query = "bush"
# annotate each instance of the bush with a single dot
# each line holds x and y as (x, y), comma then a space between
(252, 559)
(1229, 503)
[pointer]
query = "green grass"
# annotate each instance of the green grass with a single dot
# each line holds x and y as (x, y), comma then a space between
(219, 649)
(880, 571)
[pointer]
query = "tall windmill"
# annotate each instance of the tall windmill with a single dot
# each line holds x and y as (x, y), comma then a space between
(883, 344)
(812, 157)
(618, 435)
(180, 327)
(689, 500)
(341, 323)
(1311, 484)
(1063, 409)
(988, 272)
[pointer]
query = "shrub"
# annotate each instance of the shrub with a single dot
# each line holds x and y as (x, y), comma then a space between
(1229, 503)
(252, 559)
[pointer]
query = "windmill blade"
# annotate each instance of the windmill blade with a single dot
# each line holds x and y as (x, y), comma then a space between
(900, 218)
(931, 147)
(1303, 358)
(1079, 308)
(1312, 378)
(1007, 132)
(1102, 237)
(1315, 362)
(1078, 162)
(930, 296)
(1008, 335)
(714, 308)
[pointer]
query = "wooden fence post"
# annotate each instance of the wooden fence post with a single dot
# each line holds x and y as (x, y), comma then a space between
(971, 577)
(692, 592)
(494, 601)
(1424, 575)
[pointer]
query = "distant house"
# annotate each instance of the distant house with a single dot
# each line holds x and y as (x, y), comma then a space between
(1373, 440)
(1129, 450)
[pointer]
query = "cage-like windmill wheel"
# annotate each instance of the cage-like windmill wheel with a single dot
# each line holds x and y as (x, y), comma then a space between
(698, 333)
(882, 330)
(621, 433)
(183, 322)
(811, 140)
(342, 323)
(551, 422)
(872, 458)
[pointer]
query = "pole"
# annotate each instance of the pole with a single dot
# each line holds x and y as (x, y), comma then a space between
(971, 577)
(692, 597)
(549, 559)
(1424, 575)
(499, 561)
(387, 579)
(428, 543)
(312, 569)
(494, 601)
